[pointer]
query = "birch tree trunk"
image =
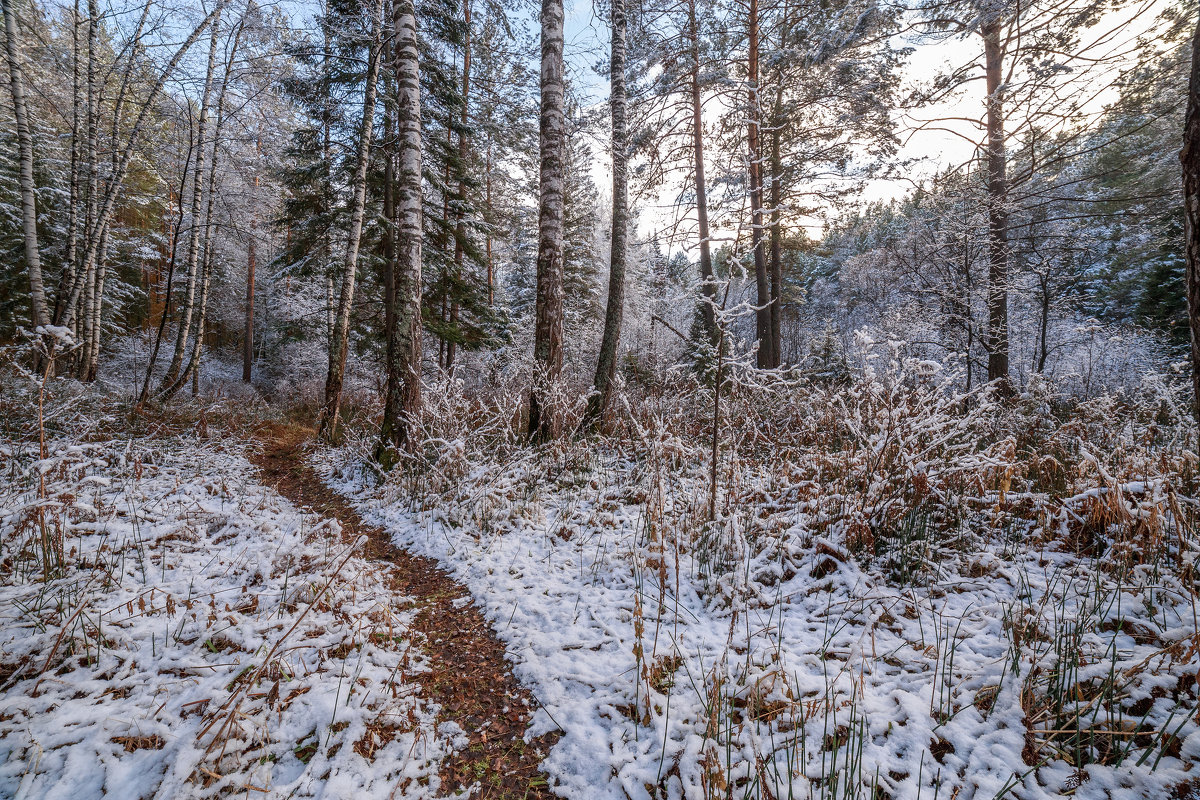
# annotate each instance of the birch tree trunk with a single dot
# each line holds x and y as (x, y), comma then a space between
(16, 83)
(403, 401)
(113, 186)
(389, 216)
(1189, 158)
(338, 346)
(251, 266)
(183, 334)
(66, 281)
(548, 329)
(599, 402)
(174, 251)
(91, 216)
(997, 201)
(209, 252)
(96, 311)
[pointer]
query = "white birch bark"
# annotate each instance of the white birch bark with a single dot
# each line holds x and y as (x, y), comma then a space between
(16, 82)
(187, 309)
(404, 345)
(340, 340)
(548, 330)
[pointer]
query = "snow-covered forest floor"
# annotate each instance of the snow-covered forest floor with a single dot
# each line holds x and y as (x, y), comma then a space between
(169, 627)
(899, 593)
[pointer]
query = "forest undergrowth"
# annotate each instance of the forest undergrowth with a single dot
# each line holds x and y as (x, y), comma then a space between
(883, 589)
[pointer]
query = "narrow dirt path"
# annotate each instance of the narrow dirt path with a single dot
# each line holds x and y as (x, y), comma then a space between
(469, 677)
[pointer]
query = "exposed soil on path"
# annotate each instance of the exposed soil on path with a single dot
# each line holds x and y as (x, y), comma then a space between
(469, 676)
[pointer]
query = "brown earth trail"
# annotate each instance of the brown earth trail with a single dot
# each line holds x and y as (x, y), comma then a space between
(469, 676)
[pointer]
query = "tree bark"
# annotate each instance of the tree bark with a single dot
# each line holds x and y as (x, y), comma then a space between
(403, 402)
(548, 329)
(491, 267)
(338, 346)
(113, 185)
(776, 240)
(251, 268)
(91, 218)
(997, 205)
(708, 285)
(762, 317)
(600, 401)
(1189, 158)
(183, 334)
(174, 250)
(209, 253)
(389, 221)
(16, 82)
(66, 280)
(460, 226)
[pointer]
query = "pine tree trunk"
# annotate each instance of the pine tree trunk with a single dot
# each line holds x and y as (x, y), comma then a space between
(997, 206)
(339, 344)
(403, 402)
(776, 242)
(491, 267)
(762, 317)
(33, 258)
(600, 401)
(548, 329)
(708, 286)
(325, 248)
(460, 225)
(1189, 158)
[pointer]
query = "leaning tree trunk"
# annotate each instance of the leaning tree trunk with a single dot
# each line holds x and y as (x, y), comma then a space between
(16, 82)
(187, 310)
(548, 329)
(113, 186)
(208, 254)
(599, 402)
(1189, 158)
(403, 401)
(762, 317)
(338, 346)
(173, 249)
(708, 286)
(997, 206)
